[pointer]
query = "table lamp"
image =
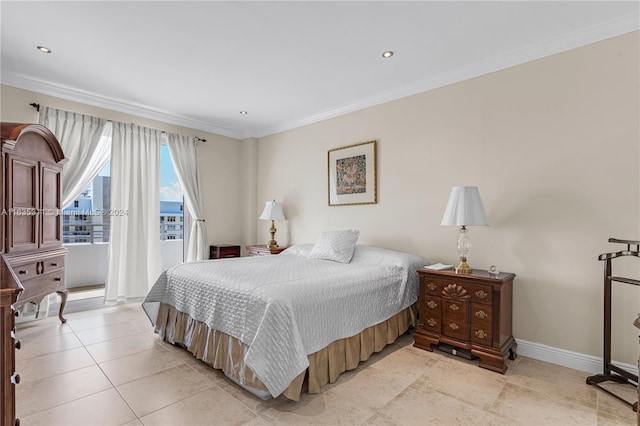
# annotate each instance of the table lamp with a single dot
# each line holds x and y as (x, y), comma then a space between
(272, 211)
(464, 209)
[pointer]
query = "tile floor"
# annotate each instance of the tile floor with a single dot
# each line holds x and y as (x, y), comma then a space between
(106, 367)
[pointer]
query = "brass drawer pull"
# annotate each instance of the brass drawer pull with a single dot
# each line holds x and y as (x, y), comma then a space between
(481, 294)
(432, 322)
(454, 307)
(481, 334)
(481, 314)
(432, 304)
(432, 286)
(454, 326)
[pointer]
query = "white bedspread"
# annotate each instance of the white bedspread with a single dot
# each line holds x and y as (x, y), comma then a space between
(287, 306)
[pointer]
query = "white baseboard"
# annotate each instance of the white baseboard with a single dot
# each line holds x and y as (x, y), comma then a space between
(570, 359)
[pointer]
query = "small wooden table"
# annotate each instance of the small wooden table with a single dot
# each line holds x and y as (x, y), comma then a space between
(223, 251)
(467, 311)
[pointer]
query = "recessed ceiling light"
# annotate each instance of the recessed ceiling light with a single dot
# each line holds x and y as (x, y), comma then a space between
(387, 54)
(243, 113)
(43, 49)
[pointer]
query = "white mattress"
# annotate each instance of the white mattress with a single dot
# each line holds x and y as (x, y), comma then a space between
(287, 306)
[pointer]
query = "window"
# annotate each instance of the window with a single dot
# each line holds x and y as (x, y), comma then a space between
(87, 209)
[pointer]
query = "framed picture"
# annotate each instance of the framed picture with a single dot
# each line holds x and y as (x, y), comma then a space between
(352, 174)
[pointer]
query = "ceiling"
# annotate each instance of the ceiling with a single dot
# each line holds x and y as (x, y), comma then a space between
(198, 64)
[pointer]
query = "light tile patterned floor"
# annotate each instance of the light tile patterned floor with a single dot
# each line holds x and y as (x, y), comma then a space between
(107, 367)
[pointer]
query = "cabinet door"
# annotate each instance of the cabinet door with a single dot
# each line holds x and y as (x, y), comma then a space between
(22, 204)
(50, 223)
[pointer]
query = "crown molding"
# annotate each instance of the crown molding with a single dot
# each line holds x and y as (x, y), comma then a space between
(27, 83)
(575, 39)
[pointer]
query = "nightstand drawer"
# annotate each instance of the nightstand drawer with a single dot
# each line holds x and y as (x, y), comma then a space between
(263, 250)
(481, 313)
(482, 335)
(432, 286)
(432, 323)
(452, 307)
(480, 293)
(456, 328)
(432, 305)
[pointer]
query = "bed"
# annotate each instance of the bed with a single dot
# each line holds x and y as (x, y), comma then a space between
(274, 324)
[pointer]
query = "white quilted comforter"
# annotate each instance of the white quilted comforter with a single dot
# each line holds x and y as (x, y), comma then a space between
(287, 306)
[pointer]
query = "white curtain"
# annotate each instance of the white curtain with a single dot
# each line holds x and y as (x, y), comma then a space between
(184, 155)
(134, 249)
(86, 143)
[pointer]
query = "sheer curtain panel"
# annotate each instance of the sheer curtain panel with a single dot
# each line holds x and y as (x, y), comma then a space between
(184, 155)
(85, 141)
(134, 248)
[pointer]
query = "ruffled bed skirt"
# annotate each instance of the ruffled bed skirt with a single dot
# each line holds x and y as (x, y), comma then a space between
(226, 353)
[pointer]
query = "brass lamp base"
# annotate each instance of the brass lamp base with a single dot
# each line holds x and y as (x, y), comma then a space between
(273, 243)
(463, 267)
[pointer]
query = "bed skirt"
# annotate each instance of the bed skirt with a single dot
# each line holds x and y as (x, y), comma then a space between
(226, 353)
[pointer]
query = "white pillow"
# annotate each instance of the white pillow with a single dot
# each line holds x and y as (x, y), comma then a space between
(335, 245)
(299, 249)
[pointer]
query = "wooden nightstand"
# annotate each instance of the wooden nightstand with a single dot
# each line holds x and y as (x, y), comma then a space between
(263, 250)
(224, 251)
(467, 311)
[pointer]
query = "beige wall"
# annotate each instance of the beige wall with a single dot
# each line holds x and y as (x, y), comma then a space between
(221, 158)
(554, 146)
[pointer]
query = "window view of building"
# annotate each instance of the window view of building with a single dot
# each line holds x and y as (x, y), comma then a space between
(87, 219)
(171, 220)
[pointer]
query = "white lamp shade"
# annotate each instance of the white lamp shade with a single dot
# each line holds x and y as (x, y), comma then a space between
(464, 208)
(272, 211)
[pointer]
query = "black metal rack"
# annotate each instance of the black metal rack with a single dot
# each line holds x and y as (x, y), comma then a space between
(612, 373)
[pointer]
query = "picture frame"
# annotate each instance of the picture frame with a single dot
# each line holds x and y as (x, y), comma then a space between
(352, 175)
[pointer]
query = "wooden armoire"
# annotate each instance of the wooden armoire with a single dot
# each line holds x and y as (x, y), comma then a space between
(32, 264)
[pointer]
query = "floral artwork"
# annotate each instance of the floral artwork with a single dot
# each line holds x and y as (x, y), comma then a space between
(352, 174)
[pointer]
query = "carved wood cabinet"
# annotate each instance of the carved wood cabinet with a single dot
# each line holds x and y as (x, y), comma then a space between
(467, 311)
(31, 233)
(10, 288)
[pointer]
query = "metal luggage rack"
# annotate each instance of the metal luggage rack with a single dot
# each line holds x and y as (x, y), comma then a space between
(611, 372)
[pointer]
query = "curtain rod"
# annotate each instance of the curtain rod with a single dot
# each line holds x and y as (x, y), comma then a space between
(37, 107)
